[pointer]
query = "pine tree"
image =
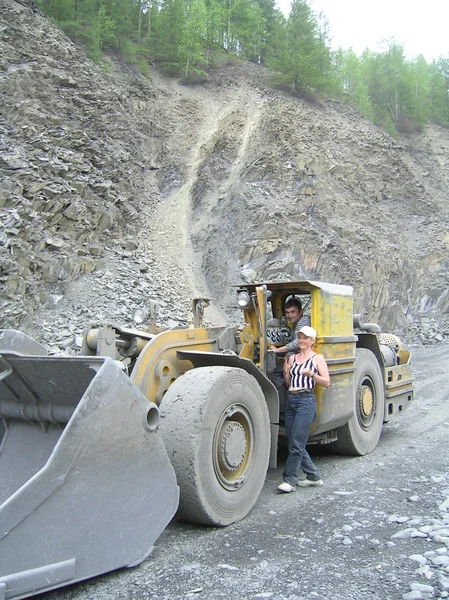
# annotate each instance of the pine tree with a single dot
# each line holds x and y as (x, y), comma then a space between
(101, 33)
(351, 82)
(303, 58)
(192, 40)
(165, 39)
(440, 91)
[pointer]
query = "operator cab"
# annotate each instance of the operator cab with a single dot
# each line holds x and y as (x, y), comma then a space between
(278, 331)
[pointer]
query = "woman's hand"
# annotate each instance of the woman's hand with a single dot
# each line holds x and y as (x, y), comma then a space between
(307, 372)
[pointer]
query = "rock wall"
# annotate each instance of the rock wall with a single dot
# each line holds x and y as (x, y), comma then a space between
(275, 188)
(74, 161)
(331, 197)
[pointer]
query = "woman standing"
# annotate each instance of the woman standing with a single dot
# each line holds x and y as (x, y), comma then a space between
(302, 372)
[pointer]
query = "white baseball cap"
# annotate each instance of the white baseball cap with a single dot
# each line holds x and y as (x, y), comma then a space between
(308, 332)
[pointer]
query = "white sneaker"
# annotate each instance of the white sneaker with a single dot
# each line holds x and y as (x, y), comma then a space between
(309, 483)
(286, 487)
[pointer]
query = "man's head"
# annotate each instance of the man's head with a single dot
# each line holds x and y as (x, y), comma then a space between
(293, 310)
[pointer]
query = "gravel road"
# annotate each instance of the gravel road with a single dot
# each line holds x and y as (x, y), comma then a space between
(377, 529)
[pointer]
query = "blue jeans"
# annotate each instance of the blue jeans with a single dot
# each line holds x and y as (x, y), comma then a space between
(299, 415)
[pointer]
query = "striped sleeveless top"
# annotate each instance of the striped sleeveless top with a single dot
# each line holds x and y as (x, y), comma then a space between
(299, 381)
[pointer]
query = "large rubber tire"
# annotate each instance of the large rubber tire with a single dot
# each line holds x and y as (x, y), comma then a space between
(362, 432)
(216, 428)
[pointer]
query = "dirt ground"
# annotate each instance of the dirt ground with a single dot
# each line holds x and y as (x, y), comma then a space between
(358, 537)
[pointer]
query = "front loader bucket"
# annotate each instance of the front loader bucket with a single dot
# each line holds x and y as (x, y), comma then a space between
(86, 485)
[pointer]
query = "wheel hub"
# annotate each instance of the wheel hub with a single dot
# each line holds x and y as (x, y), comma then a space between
(366, 401)
(233, 446)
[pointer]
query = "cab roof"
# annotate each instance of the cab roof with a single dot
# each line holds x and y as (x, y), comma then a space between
(300, 287)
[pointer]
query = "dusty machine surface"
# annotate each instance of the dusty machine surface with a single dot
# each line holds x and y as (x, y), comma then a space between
(100, 450)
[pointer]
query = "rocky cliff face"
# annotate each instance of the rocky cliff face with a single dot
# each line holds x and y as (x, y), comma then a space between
(114, 188)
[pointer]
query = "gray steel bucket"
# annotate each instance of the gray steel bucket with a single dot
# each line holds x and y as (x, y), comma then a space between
(86, 485)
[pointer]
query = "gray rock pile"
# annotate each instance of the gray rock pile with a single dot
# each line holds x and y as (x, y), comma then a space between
(432, 564)
(122, 282)
(66, 181)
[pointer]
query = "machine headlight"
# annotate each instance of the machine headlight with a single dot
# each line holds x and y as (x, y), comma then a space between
(243, 299)
(140, 315)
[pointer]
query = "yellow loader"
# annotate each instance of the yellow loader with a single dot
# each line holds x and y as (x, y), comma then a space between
(100, 450)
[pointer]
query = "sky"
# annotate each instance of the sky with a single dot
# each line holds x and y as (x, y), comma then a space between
(419, 28)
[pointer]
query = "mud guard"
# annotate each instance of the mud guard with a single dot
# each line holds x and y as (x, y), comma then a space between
(86, 486)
